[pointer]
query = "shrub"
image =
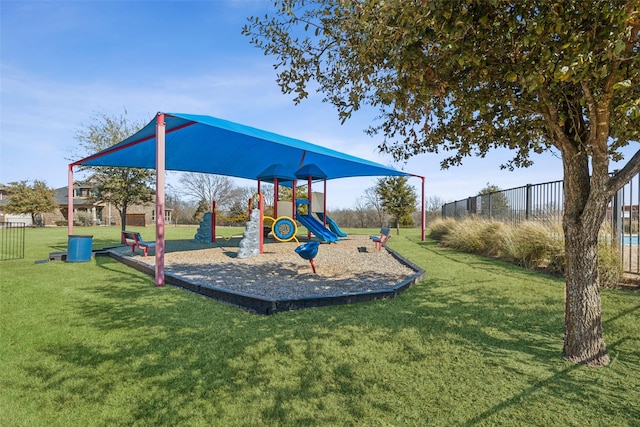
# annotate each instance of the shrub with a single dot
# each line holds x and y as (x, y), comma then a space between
(440, 228)
(84, 219)
(468, 236)
(609, 265)
(532, 245)
(492, 235)
(536, 246)
(406, 221)
(63, 223)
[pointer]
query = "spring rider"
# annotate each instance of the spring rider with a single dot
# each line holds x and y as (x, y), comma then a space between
(309, 251)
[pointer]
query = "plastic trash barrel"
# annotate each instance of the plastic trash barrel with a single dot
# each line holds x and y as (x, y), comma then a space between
(79, 248)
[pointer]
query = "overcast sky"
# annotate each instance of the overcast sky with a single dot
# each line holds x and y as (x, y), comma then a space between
(63, 61)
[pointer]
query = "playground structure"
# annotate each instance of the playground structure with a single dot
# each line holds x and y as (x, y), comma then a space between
(314, 226)
(169, 140)
(282, 228)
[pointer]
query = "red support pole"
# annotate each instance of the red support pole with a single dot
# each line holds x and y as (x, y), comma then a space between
(261, 223)
(70, 202)
(213, 221)
(310, 213)
(160, 171)
(422, 219)
(275, 197)
(294, 212)
(324, 203)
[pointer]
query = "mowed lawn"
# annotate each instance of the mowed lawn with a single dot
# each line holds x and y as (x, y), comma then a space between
(477, 342)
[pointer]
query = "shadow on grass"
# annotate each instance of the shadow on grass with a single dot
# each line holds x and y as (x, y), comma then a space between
(145, 338)
(97, 243)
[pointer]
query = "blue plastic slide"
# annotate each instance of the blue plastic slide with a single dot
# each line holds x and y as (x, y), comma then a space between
(317, 228)
(332, 225)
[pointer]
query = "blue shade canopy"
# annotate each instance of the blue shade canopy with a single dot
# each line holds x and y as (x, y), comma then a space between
(276, 171)
(310, 171)
(196, 143)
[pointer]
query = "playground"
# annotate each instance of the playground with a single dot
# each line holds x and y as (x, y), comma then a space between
(279, 279)
(171, 140)
(265, 269)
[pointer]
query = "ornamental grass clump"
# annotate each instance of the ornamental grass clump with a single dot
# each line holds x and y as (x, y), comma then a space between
(492, 234)
(477, 236)
(532, 245)
(440, 228)
(465, 236)
(609, 265)
(535, 245)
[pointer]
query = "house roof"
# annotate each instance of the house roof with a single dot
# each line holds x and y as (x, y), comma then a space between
(197, 143)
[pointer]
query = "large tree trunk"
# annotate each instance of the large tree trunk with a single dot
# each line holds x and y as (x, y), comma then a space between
(585, 208)
(583, 340)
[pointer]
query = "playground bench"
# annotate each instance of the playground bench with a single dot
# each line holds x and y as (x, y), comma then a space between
(134, 240)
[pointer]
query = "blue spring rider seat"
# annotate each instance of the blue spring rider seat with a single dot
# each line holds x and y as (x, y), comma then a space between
(309, 251)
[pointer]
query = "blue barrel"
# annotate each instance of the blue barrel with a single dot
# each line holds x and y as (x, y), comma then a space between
(79, 248)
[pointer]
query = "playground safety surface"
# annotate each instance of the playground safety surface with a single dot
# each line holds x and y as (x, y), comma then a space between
(349, 271)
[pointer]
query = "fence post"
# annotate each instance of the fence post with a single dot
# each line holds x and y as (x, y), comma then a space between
(471, 206)
(616, 223)
(490, 206)
(527, 212)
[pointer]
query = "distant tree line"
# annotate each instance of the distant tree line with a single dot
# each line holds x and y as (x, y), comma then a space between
(391, 202)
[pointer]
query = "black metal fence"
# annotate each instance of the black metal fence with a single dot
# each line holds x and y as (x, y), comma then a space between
(545, 203)
(533, 202)
(11, 240)
(623, 217)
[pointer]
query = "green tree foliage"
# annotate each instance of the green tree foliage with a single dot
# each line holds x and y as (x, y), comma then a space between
(398, 199)
(286, 194)
(201, 209)
(35, 199)
(465, 77)
(122, 187)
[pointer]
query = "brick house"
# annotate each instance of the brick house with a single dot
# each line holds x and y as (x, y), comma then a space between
(87, 212)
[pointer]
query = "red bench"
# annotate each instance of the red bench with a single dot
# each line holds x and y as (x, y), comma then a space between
(134, 240)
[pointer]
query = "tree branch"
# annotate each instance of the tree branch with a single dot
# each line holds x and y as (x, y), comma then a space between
(623, 176)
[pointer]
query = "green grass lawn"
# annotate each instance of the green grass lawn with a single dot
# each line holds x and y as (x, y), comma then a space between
(477, 342)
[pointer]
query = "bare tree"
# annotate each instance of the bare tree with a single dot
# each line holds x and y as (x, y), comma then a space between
(372, 199)
(361, 211)
(182, 211)
(433, 208)
(210, 188)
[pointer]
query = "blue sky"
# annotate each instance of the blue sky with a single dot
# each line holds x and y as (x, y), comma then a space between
(63, 61)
